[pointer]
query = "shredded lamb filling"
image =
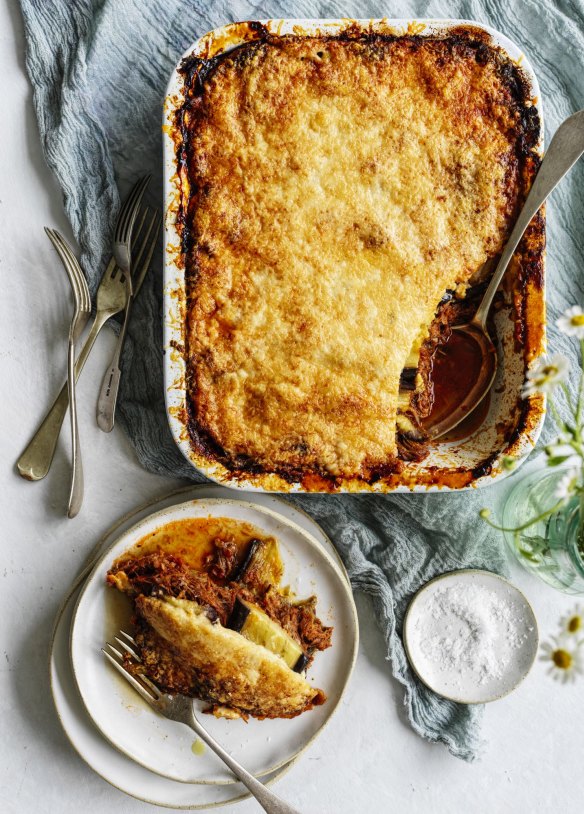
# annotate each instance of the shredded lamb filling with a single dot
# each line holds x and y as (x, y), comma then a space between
(167, 575)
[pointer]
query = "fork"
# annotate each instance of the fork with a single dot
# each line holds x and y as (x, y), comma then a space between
(180, 708)
(80, 315)
(125, 225)
(108, 394)
(35, 461)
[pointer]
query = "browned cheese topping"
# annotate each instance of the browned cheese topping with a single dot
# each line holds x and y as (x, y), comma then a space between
(336, 189)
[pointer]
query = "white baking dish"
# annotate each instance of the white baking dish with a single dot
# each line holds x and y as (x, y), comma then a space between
(478, 459)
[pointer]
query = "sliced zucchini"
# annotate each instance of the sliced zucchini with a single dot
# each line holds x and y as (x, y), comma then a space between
(255, 625)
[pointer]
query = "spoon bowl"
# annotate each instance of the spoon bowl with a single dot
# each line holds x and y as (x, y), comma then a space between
(464, 370)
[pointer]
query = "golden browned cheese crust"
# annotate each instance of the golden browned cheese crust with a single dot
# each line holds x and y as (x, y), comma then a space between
(337, 188)
(232, 670)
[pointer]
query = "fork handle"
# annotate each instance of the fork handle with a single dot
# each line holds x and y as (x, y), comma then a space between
(76, 493)
(108, 395)
(35, 461)
(269, 801)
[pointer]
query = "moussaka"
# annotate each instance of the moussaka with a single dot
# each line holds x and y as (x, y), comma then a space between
(214, 622)
(342, 201)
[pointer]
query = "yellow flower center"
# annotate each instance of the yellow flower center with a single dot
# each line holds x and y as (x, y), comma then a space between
(546, 373)
(574, 624)
(577, 320)
(549, 370)
(562, 659)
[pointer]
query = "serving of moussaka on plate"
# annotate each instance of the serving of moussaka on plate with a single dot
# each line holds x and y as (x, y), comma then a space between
(214, 622)
(343, 199)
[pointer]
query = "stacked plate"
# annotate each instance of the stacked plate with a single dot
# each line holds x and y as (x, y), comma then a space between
(142, 753)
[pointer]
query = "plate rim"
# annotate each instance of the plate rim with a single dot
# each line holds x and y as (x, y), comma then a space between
(342, 579)
(453, 573)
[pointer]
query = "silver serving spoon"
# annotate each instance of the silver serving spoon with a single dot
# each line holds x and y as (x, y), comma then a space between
(565, 149)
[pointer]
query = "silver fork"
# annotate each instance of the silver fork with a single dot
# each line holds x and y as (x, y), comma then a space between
(35, 461)
(82, 311)
(125, 225)
(180, 708)
(108, 394)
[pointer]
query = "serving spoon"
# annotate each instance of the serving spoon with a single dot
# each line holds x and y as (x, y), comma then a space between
(472, 343)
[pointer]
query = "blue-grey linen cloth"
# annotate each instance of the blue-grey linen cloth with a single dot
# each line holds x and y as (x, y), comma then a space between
(99, 70)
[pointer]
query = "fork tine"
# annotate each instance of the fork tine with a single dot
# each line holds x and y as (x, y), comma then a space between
(73, 269)
(139, 225)
(152, 235)
(130, 678)
(155, 690)
(52, 235)
(130, 203)
(85, 300)
(141, 235)
(132, 652)
(128, 649)
(114, 650)
(131, 639)
(117, 271)
(130, 210)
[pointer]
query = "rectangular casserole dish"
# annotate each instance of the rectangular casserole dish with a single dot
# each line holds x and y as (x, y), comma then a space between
(510, 426)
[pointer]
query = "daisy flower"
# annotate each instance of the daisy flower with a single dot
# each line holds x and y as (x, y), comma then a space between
(567, 485)
(573, 623)
(571, 322)
(564, 659)
(546, 373)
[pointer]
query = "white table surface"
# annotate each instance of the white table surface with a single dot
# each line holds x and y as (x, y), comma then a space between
(368, 759)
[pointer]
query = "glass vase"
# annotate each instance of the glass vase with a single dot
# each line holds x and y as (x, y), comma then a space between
(552, 549)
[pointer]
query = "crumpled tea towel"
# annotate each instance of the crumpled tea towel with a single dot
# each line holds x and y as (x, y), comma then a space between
(99, 69)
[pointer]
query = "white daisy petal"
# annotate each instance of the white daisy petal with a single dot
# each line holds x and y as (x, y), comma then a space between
(573, 623)
(567, 485)
(545, 374)
(564, 658)
(571, 322)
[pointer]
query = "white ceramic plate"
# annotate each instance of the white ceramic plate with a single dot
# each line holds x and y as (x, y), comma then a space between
(164, 746)
(430, 635)
(114, 767)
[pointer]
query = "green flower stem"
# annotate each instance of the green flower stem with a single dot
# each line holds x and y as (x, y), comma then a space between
(578, 444)
(568, 397)
(578, 428)
(532, 522)
(560, 423)
(577, 447)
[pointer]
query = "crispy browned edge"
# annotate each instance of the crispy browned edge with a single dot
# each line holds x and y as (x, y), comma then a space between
(527, 267)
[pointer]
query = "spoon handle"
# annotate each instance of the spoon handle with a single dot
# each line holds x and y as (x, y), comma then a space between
(565, 149)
